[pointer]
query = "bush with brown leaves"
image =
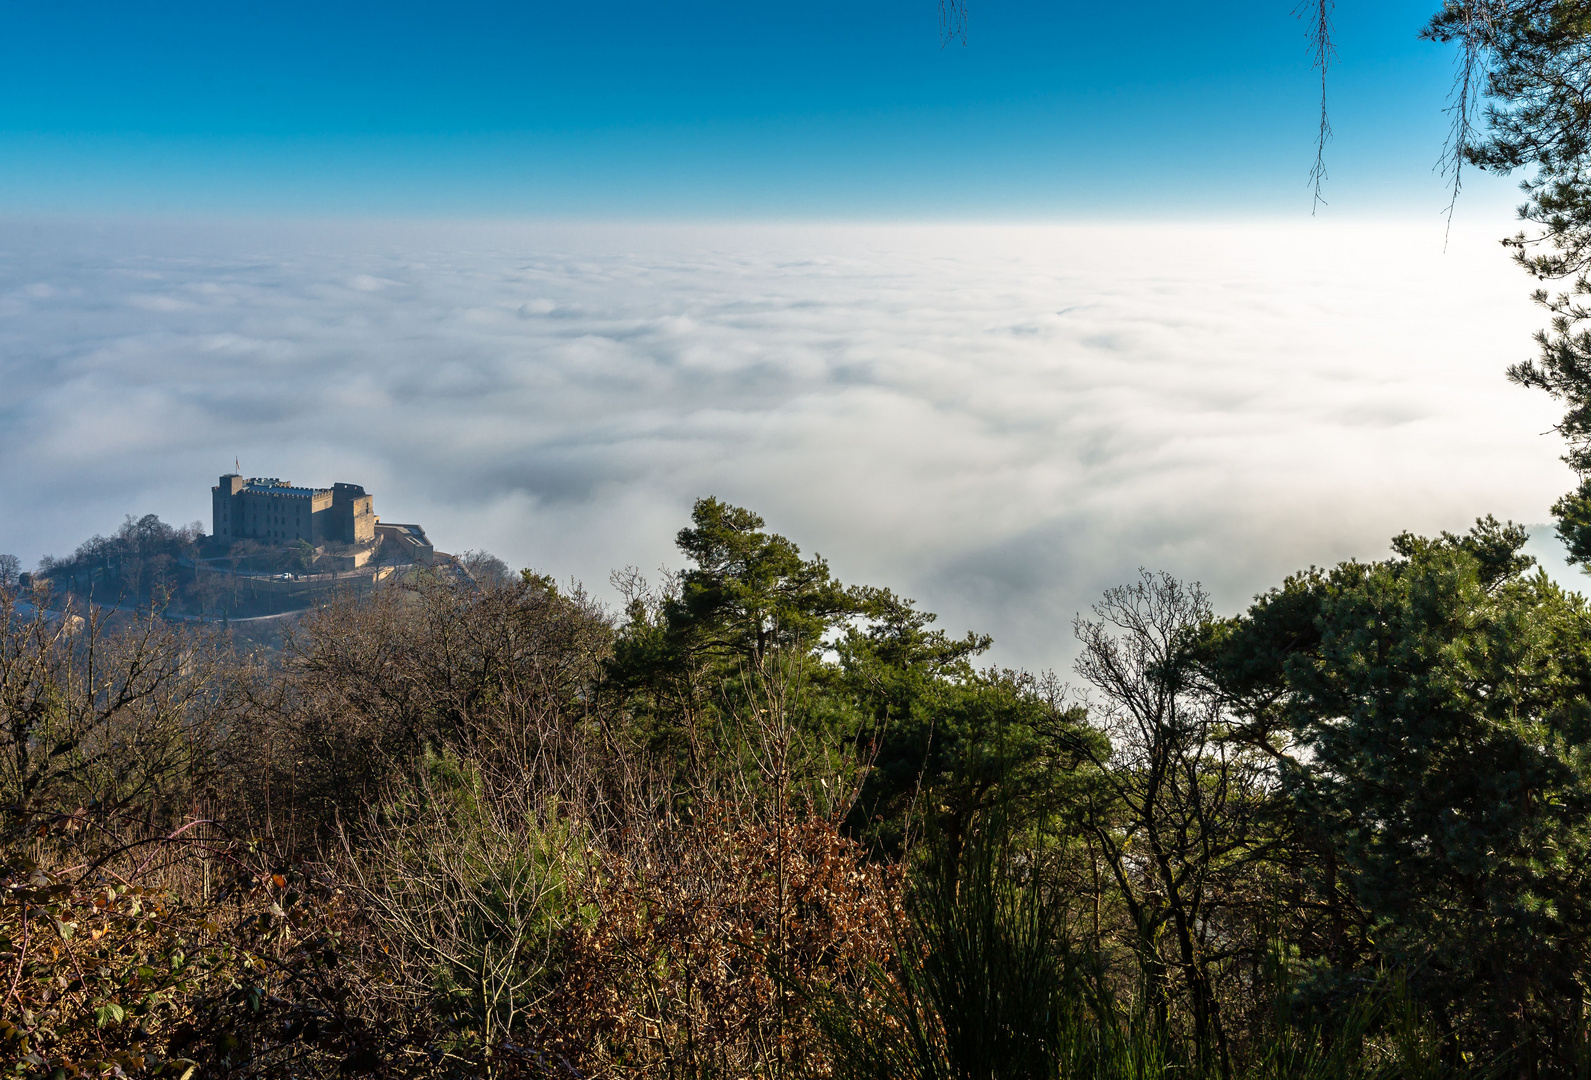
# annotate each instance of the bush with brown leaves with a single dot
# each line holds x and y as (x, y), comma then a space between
(698, 939)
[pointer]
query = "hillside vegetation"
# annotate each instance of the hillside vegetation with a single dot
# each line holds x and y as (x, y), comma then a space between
(763, 823)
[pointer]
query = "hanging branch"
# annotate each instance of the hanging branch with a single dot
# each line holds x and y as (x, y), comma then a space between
(1318, 14)
(952, 21)
(1474, 35)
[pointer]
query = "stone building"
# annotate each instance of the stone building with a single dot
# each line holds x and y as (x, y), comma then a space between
(273, 511)
(404, 543)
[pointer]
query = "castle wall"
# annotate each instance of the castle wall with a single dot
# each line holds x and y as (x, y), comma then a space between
(273, 511)
(320, 526)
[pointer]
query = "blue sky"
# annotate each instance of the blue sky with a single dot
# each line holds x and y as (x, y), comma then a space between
(704, 108)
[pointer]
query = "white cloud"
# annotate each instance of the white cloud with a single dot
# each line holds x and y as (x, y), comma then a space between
(1000, 421)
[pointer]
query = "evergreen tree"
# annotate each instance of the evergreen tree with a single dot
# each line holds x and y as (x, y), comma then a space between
(1442, 703)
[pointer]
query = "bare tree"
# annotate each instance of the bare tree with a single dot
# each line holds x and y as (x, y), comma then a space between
(104, 709)
(1175, 801)
(502, 673)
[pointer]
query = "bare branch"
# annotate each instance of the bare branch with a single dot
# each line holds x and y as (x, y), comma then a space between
(1317, 14)
(952, 21)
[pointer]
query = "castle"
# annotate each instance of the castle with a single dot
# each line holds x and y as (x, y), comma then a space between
(273, 511)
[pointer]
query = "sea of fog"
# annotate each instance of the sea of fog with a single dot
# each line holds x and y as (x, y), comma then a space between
(1000, 421)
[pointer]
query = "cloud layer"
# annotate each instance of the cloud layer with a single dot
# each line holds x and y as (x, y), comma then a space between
(1000, 421)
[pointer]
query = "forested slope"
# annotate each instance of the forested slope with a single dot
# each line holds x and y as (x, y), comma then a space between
(761, 822)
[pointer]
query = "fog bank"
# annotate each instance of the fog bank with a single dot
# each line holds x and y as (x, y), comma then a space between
(998, 420)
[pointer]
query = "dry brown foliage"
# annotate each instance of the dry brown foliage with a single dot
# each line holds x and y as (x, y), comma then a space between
(696, 940)
(184, 957)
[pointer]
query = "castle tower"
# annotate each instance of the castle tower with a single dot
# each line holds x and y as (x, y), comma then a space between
(353, 514)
